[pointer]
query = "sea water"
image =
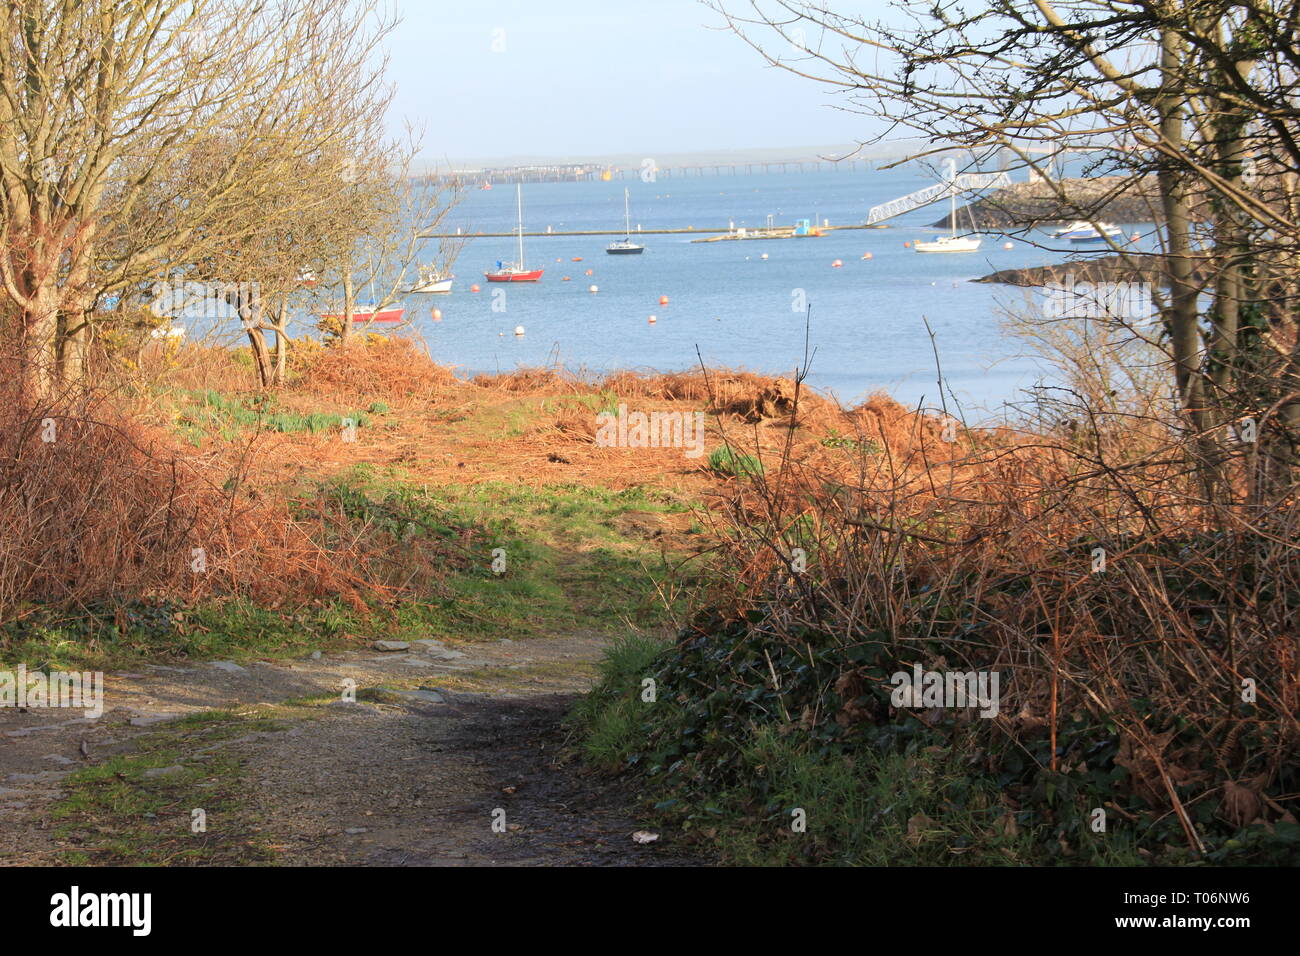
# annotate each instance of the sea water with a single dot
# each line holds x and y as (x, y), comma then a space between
(729, 307)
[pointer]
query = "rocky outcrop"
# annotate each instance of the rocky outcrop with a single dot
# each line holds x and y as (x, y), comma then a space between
(1130, 268)
(1020, 205)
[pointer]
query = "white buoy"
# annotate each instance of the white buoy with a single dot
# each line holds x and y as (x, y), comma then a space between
(519, 330)
(763, 256)
(593, 289)
(653, 320)
(1008, 245)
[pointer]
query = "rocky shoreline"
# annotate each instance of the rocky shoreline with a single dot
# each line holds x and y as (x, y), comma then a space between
(1130, 268)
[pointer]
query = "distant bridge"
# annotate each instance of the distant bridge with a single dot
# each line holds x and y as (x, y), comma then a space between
(596, 172)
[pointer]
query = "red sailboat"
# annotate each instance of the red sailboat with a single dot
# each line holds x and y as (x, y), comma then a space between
(515, 271)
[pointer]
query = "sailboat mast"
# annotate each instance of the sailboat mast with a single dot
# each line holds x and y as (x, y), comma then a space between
(627, 218)
(519, 199)
(952, 197)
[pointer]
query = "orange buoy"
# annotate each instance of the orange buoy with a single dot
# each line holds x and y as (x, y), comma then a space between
(473, 288)
(663, 300)
(565, 279)
(907, 245)
(1137, 236)
(588, 272)
(577, 259)
(867, 255)
(437, 315)
(836, 264)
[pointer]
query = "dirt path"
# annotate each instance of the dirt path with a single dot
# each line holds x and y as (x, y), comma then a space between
(451, 755)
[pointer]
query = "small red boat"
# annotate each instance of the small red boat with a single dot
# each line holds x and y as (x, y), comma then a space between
(514, 274)
(364, 315)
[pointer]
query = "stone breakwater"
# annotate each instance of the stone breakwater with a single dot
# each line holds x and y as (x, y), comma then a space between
(1112, 198)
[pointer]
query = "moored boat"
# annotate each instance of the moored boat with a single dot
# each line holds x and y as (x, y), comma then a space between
(431, 282)
(948, 244)
(951, 242)
(625, 246)
(515, 271)
(1082, 231)
(366, 314)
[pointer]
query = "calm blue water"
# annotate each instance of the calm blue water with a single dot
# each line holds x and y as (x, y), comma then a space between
(867, 316)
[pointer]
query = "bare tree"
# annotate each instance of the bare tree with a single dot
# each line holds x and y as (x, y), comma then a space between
(138, 137)
(379, 227)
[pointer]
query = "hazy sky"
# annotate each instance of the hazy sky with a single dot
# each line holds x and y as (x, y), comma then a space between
(586, 77)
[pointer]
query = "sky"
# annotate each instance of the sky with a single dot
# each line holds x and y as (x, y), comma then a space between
(579, 78)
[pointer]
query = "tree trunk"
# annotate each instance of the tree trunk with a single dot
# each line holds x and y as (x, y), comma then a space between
(281, 342)
(1181, 317)
(40, 346)
(349, 304)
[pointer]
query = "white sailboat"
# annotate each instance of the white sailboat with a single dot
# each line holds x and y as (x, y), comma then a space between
(951, 242)
(625, 246)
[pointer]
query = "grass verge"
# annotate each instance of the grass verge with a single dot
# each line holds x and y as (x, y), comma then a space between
(175, 800)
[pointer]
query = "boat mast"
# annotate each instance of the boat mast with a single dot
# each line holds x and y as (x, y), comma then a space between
(519, 198)
(627, 218)
(952, 197)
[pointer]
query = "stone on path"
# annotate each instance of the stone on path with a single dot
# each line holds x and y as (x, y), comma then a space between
(152, 719)
(163, 771)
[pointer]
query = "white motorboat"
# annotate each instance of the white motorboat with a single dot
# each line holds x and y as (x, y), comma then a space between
(1081, 231)
(431, 282)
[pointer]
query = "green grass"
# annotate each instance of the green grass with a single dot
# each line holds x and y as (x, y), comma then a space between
(207, 412)
(572, 562)
(611, 719)
(102, 637)
(568, 563)
(866, 446)
(115, 813)
(727, 461)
